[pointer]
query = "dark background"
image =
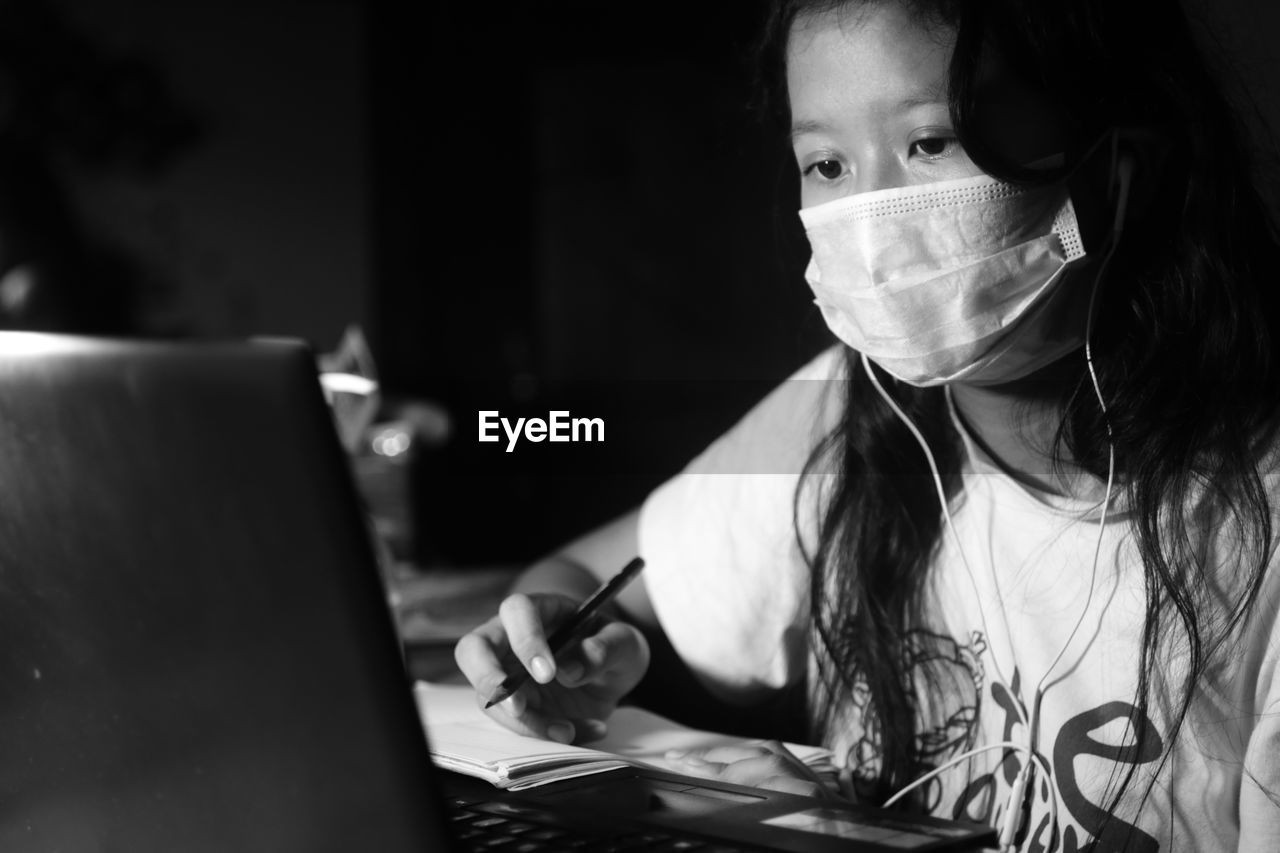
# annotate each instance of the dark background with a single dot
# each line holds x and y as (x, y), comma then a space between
(535, 206)
(585, 213)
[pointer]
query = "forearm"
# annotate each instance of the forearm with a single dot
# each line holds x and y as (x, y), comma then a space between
(584, 564)
(556, 573)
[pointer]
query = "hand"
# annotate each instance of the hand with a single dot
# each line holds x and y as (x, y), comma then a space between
(766, 764)
(566, 700)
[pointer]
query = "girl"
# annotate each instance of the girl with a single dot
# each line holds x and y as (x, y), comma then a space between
(1013, 536)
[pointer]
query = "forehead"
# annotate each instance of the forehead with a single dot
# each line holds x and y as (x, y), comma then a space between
(864, 56)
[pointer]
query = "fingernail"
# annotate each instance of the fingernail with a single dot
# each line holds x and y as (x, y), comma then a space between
(540, 669)
(572, 671)
(560, 732)
(675, 754)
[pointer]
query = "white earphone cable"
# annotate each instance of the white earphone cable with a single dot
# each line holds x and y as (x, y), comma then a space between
(946, 514)
(1009, 828)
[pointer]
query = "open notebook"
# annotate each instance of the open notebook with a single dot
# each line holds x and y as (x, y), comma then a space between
(463, 739)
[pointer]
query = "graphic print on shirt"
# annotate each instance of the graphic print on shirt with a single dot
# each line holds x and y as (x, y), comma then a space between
(1075, 739)
(984, 798)
(1081, 749)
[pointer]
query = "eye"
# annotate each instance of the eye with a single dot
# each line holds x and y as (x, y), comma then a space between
(933, 147)
(828, 170)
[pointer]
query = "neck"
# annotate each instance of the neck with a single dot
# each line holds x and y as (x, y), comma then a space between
(1017, 424)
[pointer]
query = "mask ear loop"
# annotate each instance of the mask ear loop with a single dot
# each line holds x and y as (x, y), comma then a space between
(1018, 792)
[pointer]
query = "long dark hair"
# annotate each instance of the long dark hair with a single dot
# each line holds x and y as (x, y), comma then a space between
(1182, 341)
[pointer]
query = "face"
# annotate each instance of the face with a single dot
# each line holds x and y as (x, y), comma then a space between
(868, 92)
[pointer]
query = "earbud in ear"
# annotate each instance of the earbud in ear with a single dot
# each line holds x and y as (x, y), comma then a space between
(1115, 179)
(1125, 166)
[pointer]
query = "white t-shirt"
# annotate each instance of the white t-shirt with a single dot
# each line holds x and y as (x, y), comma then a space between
(730, 586)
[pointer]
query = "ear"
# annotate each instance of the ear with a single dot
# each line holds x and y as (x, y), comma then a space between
(1113, 181)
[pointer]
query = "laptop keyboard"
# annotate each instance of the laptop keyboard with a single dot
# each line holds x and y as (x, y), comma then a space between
(495, 826)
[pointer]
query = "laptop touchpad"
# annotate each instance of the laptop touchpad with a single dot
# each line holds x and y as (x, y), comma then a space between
(694, 799)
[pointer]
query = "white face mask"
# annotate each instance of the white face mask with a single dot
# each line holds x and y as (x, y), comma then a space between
(950, 281)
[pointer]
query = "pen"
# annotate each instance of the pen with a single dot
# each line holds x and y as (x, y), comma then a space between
(573, 627)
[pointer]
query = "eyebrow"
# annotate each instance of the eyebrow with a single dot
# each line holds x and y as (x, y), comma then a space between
(922, 100)
(800, 128)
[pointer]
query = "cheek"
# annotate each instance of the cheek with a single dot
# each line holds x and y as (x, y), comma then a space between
(952, 169)
(812, 195)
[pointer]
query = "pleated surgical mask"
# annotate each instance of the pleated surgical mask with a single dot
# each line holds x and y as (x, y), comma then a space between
(951, 281)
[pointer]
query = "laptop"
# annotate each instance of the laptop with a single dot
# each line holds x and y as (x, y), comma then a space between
(196, 653)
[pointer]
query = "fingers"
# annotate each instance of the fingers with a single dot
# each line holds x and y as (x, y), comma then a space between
(617, 657)
(523, 625)
(757, 766)
(516, 714)
(477, 657)
(616, 654)
(524, 714)
(567, 700)
(515, 637)
(484, 656)
(522, 718)
(766, 771)
(731, 764)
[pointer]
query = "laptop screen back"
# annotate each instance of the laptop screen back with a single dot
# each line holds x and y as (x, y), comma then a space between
(195, 653)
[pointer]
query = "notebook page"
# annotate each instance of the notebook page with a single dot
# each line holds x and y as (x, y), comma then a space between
(463, 738)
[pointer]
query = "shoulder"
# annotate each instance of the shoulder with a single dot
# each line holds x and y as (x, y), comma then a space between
(828, 364)
(760, 459)
(724, 570)
(778, 434)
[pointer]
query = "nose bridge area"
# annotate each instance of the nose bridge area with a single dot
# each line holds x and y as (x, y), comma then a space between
(878, 172)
